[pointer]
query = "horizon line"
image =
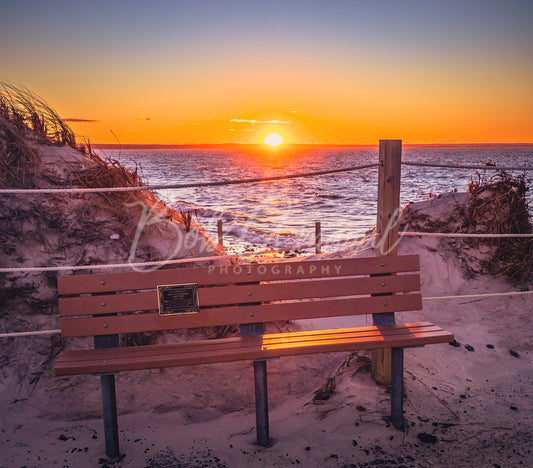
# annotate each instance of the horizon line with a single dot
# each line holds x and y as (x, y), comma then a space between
(289, 145)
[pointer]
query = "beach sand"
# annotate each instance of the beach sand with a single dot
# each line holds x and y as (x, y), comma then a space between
(464, 406)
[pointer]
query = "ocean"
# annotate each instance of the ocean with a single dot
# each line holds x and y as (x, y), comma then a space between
(281, 215)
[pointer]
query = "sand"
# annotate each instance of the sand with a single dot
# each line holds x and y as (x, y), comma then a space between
(466, 405)
(463, 406)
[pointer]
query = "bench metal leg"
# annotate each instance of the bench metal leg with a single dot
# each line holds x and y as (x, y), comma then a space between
(396, 415)
(109, 400)
(261, 403)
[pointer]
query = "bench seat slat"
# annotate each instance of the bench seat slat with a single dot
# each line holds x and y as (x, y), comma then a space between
(237, 294)
(258, 347)
(133, 323)
(271, 340)
(108, 282)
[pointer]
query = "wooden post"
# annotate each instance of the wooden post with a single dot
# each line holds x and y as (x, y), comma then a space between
(390, 159)
(318, 237)
(219, 231)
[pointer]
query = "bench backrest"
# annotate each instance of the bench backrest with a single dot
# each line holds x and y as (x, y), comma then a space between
(103, 304)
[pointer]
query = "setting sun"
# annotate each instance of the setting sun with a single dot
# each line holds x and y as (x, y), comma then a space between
(273, 140)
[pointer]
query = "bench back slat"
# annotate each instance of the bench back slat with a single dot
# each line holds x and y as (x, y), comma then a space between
(213, 275)
(240, 294)
(132, 323)
(244, 293)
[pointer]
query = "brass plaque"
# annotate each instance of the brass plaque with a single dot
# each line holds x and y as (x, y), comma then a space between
(177, 299)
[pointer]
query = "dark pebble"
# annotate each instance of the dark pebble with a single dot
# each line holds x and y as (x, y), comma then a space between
(469, 348)
(354, 443)
(462, 396)
(360, 408)
(455, 344)
(63, 437)
(427, 438)
(512, 352)
(514, 408)
(334, 455)
(307, 449)
(490, 346)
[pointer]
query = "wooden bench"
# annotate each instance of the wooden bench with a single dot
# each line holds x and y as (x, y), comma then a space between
(108, 305)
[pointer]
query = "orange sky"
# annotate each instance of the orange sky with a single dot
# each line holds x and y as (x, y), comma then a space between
(340, 72)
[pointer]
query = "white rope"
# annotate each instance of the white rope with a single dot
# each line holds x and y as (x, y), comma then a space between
(255, 254)
(478, 296)
(467, 166)
(181, 186)
(460, 234)
(29, 333)
(112, 265)
(175, 261)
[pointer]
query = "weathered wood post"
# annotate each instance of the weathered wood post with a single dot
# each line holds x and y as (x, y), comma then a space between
(318, 237)
(220, 235)
(390, 159)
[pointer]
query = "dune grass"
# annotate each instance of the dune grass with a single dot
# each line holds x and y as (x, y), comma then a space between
(499, 205)
(28, 111)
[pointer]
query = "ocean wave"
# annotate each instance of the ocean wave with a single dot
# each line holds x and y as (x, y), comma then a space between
(282, 213)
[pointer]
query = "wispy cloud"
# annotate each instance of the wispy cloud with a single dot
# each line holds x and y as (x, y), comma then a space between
(144, 118)
(81, 120)
(251, 121)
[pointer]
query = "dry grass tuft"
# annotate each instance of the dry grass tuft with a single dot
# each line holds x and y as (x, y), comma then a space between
(499, 205)
(32, 115)
(18, 160)
(106, 174)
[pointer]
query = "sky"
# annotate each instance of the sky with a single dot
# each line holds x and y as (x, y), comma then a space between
(330, 72)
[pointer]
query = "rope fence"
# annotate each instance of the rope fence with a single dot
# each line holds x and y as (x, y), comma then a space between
(461, 235)
(356, 240)
(220, 183)
(30, 333)
(468, 166)
(479, 296)
(249, 181)
(181, 186)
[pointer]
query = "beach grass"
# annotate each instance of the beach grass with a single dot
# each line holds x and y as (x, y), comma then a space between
(27, 110)
(499, 205)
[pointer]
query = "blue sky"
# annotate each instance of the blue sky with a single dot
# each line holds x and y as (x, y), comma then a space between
(74, 54)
